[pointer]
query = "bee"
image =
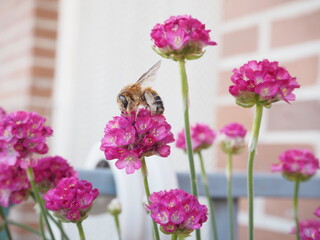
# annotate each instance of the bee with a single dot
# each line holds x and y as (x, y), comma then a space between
(134, 95)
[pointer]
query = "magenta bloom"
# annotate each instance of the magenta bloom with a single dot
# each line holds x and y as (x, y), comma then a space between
(177, 212)
(21, 135)
(180, 37)
(202, 137)
(50, 170)
(14, 185)
(232, 138)
(71, 200)
(129, 138)
(263, 83)
(309, 230)
(297, 164)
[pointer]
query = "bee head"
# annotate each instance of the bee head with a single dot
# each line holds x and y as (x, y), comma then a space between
(123, 102)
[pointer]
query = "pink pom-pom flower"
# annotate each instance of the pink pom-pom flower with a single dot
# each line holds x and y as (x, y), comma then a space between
(232, 137)
(177, 212)
(129, 138)
(202, 137)
(180, 37)
(297, 164)
(50, 170)
(309, 230)
(21, 135)
(263, 83)
(14, 185)
(71, 200)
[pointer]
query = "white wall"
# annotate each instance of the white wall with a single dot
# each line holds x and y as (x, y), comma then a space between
(105, 45)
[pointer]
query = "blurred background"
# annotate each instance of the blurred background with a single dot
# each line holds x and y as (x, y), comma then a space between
(68, 60)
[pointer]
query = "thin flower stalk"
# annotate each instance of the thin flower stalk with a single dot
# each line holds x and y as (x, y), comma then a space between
(144, 172)
(230, 197)
(80, 231)
(117, 222)
(185, 101)
(35, 191)
(25, 227)
(205, 183)
(252, 151)
(295, 208)
(6, 226)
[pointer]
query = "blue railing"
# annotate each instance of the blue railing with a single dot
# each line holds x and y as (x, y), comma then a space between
(265, 185)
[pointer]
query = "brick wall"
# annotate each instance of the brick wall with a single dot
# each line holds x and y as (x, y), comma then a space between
(27, 54)
(286, 31)
(27, 59)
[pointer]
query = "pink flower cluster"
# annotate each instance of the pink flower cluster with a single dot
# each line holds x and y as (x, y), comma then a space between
(14, 185)
(176, 211)
(180, 37)
(21, 134)
(71, 200)
(202, 137)
(232, 138)
(50, 170)
(129, 138)
(263, 83)
(297, 164)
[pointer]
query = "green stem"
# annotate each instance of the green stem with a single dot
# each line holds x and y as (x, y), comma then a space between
(144, 172)
(252, 151)
(295, 208)
(116, 220)
(205, 183)
(230, 198)
(6, 226)
(25, 227)
(43, 235)
(174, 237)
(30, 175)
(81, 232)
(60, 226)
(185, 100)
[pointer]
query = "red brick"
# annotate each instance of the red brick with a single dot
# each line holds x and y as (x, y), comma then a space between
(241, 41)
(46, 14)
(261, 234)
(296, 30)
(41, 52)
(224, 82)
(305, 70)
(236, 8)
(283, 207)
(267, 154)
(234, 113)
(298, 116)
(45, 33)
(41, 92)
(42, 72)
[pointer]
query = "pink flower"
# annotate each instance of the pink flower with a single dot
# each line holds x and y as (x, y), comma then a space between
(309, 230)
(232, 138)
(14, 185)
(71, 200)
(262, 82)
(297, 164)
(129, 138)
(21, 135)
(176, 211)
(180, 37)
(202, 137)
(50, 170)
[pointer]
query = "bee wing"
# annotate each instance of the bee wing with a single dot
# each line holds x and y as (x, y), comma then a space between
(150, 74)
